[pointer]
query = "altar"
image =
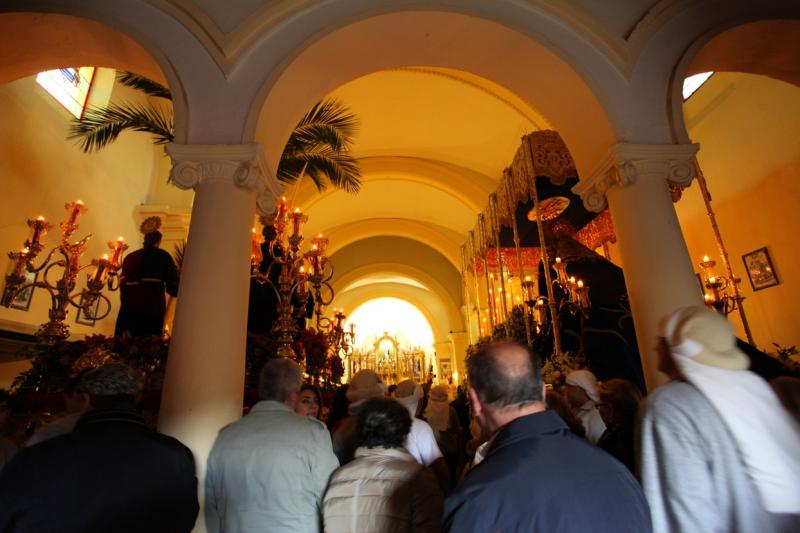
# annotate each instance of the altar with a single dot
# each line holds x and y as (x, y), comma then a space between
(392, 361)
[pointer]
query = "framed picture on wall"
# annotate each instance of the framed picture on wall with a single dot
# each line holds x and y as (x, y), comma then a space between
(22, 300)
(81, 318)
(758, 265)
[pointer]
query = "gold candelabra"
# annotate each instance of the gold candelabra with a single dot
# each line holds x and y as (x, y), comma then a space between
(340, 341)
(716, 287)
(576, 296)
(293, 278)
(62, 295)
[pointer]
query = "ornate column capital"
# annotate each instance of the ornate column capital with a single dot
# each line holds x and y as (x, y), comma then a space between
(626, 162)
(243, 165)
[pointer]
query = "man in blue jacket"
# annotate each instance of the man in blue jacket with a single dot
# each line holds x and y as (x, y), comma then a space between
(537, 475)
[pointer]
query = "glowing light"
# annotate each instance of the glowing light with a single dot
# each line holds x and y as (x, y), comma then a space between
(692, 83)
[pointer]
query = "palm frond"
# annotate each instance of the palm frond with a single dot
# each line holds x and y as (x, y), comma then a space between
(101, 126)
(145, 85)
(340, 169)
(321, 143)
(312, 136)
(334, 113)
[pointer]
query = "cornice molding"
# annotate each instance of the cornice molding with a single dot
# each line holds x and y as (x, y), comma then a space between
(243, 165)
(625, 163)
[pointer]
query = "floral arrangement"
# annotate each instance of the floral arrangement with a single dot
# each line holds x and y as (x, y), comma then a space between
(556, 367)
(313, 346)
(53, 366)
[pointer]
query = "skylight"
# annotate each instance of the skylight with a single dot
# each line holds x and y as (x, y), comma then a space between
(692, 83)
(69, 86)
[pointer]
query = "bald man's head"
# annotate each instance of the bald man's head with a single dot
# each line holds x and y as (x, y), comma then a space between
(505, 373)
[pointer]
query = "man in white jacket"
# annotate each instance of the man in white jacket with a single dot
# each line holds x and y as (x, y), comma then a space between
(268, 471)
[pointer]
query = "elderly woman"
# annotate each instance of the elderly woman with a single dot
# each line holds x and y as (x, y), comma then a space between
(719, 452)
(384, 489)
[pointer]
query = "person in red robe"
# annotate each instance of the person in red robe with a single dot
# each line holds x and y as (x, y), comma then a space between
(147, 274)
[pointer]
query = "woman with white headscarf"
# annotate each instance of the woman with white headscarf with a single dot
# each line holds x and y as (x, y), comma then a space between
(718, 451)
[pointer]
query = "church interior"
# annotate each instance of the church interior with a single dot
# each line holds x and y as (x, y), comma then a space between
(445, 94)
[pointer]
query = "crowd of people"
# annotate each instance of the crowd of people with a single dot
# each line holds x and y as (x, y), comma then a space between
(715, 449)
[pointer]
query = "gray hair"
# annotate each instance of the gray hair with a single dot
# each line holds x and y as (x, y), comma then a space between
(112, 379)
(279, 379)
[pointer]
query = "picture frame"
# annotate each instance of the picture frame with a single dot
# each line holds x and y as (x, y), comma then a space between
(760, 271)
(22, 301)
(80, 316)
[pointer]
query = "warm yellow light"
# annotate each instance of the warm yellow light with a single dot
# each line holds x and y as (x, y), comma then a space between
(705, 259)
(395, 316)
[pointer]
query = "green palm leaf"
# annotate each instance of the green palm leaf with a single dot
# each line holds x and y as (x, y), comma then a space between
(145, 85)
(319, 147)
(101, 126)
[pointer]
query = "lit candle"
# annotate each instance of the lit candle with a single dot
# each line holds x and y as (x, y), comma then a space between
(118, 247)
(100, 269)
(75, 208)
(282, 207)
(21, 262)
(712, 280)
(705, 259)
(558, 260)
(580, 283)
(39, 228)
(298, 218)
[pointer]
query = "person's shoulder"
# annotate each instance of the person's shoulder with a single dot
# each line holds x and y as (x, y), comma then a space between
(676, 398)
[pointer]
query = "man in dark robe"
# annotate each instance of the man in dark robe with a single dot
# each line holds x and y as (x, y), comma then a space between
(146, 274)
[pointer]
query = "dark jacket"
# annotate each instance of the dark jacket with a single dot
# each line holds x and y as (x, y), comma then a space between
(618, 441)
(538, 476)
(111, 473)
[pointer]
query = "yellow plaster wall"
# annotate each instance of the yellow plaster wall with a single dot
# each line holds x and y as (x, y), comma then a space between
(42, 171)
(747, 127)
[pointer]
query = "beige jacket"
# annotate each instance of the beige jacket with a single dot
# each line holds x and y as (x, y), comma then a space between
(267, 472)
(384, 491)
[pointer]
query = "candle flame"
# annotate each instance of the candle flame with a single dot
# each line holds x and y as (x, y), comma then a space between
(705, 259)
(572, 279)
(26, 250)
(558, 259)
(580, 284)
(40, 218)
(296, 209)
(105, 257)
(120, 239)
(79, 202)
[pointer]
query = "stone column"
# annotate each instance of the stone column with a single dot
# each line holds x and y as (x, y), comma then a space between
(204, 381)
(636, 179)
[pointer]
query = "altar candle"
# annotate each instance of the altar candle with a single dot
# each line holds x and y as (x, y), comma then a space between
(77, 208)
(117, 251)
(100, 270)
(39, 228)
(297, 222)
(22, 261)
(282, 207)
